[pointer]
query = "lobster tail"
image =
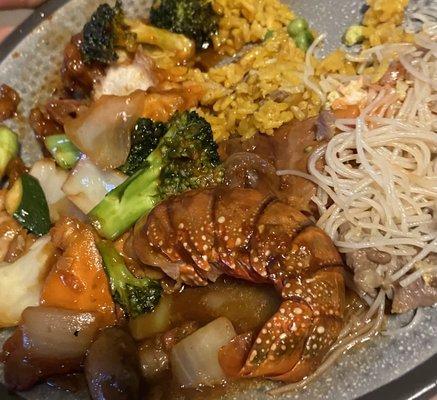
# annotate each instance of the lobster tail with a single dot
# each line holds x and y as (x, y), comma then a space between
(196, 236)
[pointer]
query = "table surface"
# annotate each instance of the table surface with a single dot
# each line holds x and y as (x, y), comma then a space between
(9, 20)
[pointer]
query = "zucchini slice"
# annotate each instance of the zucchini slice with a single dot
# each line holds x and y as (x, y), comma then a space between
(64, 152)
(8, 147)
(27, 203)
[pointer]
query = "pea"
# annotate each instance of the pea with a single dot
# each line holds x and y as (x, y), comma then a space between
(297, 26)
(303, 40)
(269, 34)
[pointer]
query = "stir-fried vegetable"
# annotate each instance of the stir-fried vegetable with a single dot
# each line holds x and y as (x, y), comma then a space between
(354, 35)
(112, 366)
(194, 360)
(21, 282)
(195, 19)
(157, 321)
(155, 352)
(65, 153)
(59, 333)
(136, 295)
(297, 26)
(102, 130)
(144, 138)
(9, 147)
(78, 281)
(299, 31)
(87, 184)
(247, 306)
(186, 158)
(52, 178)
(49, 341)
(27, 203)
(104, 33)
(108, 30)
(179, 45)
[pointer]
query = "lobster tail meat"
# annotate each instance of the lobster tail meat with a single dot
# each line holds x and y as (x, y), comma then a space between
(271, 246)
(279, 344)
(159, 247)
(192, 220)
(243, 233)
(236, 212)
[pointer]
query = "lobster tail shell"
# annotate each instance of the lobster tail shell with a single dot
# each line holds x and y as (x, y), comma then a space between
(199, 235)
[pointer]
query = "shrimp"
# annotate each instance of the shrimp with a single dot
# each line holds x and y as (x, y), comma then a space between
(199, 235)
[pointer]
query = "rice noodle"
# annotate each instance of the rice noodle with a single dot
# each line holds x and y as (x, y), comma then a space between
(309, 70)
(377, 178)
(417, 316)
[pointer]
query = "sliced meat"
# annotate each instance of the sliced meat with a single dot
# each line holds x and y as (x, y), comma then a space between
(124, 79)
(112, 367)
(9, 100)
(14, 239)
(377, 256)
(43, 124)
(61, 109)
(288, 148)
(325, 126)
(417, 294)
(14, 170)
(249, 170)
(364, 267)
(395, 72)
(293, 143)
(46, 120)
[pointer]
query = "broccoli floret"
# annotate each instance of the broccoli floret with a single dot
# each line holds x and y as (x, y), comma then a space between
(109, 30)
(190, 154)
(136, 296)
(144, 139)
(186, 158)
(105, 32)
(195, 19)
(181, 46)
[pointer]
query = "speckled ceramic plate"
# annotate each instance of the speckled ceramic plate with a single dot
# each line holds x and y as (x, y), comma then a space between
(401, 367)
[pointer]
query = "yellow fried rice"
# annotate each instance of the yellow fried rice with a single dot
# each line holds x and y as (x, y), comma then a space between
(263, 88)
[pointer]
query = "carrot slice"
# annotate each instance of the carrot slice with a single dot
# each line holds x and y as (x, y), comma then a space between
(78, 280)
(349, 111)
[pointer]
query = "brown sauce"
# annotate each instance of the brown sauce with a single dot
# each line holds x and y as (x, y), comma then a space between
(246, 305)
(78, 77)
(208, 59)
(9, 100)
(191, 303)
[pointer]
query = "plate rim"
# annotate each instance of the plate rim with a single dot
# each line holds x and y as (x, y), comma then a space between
(417, 384)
